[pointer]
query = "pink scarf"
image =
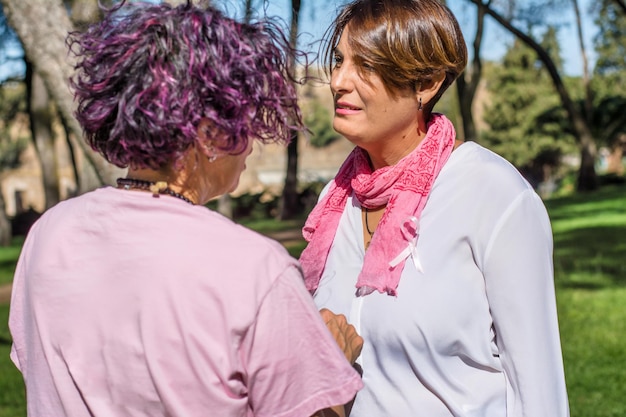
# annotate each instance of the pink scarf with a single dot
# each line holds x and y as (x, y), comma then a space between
(403, 187)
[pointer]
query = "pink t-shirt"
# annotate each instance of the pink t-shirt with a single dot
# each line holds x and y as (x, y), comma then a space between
(129, 305)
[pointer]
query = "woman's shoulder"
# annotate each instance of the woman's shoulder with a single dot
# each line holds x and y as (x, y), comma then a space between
(242, 255)
(478, 164)
(474, 153)
(231, 233)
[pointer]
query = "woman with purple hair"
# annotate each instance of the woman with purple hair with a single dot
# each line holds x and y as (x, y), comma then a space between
(137, 300)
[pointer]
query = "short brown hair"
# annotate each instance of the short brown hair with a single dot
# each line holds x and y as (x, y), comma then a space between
(406, 42)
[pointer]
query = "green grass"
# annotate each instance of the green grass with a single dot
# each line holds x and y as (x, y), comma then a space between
(12, 397)
(271, 226)
(590, 276)
(8, 258)
(593, 337)
(589, 239)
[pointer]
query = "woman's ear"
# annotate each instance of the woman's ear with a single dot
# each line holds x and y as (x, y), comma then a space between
(426, 90)
(204, 129)
(206, 140)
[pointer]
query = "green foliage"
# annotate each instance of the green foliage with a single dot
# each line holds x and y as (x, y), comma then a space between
(609, 81)
(10, 151)
(12, 103)
(550, 43)
(448, 104)
(318, 120)
(525, 115)
(12, 100)
(610, 43)
(607, 119)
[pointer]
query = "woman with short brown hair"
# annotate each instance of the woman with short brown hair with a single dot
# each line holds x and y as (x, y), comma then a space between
(437, 251)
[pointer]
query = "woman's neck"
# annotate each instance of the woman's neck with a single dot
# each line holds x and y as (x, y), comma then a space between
(176, 181)
(393, 150)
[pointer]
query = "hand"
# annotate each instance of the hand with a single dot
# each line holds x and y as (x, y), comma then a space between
(344, 333)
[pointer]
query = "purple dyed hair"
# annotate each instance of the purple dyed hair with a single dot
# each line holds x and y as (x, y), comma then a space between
(147, 74)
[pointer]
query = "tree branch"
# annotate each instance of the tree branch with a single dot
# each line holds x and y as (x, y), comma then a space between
(621, 4)
(582, 131)
(541, 53)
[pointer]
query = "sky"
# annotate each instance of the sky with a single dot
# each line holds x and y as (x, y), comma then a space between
(317, 15)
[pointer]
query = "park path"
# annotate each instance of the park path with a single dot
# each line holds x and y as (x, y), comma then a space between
(287, 236)
(5, 293)
(284, 237)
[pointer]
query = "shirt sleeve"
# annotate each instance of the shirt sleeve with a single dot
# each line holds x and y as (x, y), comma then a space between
(520, 286)
(294, 366)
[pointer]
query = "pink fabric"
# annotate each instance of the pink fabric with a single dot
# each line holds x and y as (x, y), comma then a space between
(403, 187)
(128, 305)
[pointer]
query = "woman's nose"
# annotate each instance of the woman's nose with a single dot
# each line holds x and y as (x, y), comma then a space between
(341, 79)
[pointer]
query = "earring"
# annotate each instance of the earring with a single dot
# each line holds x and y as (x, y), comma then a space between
(210, 150)
(419, 108)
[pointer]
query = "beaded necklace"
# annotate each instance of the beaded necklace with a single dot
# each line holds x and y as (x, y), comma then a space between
(156, 188)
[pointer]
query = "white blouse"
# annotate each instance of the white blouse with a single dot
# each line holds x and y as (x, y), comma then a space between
(475, 333)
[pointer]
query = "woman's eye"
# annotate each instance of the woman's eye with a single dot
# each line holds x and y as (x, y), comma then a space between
(337, 60)
(367, 67)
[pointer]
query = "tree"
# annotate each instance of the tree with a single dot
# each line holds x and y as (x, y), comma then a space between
(42, 26)
(583, 53)
(83, 12)
(467, 83)
(621, 4)
(11, 105)
(42, 112)
(587, 179)
(610, 45)
(526, 121)
(41, 117)
(318, 121)
(224, 203)
(289, 204)
(609, 82)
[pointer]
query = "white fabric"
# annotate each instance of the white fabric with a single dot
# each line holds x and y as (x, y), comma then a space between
(475, 334)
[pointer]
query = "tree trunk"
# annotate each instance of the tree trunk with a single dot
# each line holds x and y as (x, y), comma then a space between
(587, 178)
(5, 225)
(467, 83)
(290, 206)
(583, 55)
(42, 26)
(248, 11)
(40, 115)
(78, 176)
(85, 12)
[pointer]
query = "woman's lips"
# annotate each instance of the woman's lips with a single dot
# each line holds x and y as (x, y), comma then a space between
(343, 108)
